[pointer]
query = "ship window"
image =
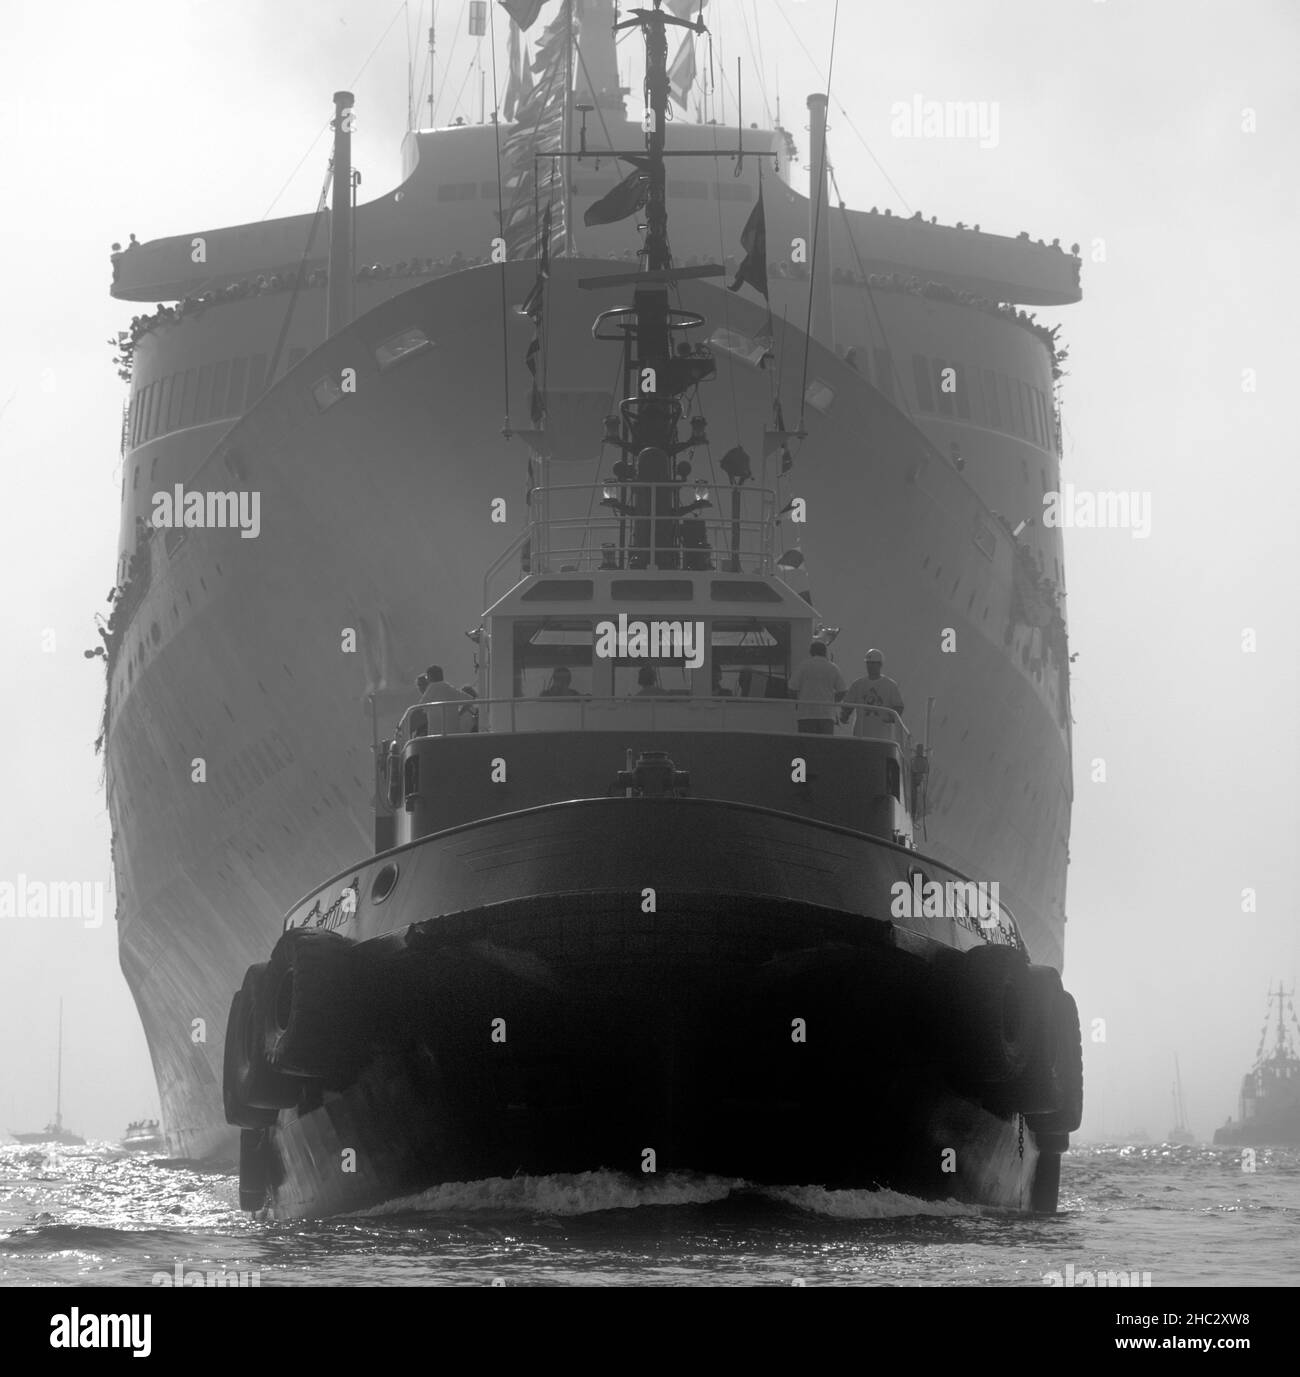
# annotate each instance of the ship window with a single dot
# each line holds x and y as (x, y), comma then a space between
(991, 400)
(559, 590)
(326, 392)
(752, 655)
(220, 383)
(1004, 404)
(174, 401)
(410, 778)
(653, 590)
(698, 191)
(893, 778)
(921, 377)
(723, 590)
(256, 377)
(488, 190)
(203, 402)
(187, 399)
(238, 377)
(734, 191)
(961, 397)
(1018, 389)
(152, 424)
(400, 346)
(819, 396)
(884, 371)
(135, 477)
(458, 191)
(942, 398)
(543, 646)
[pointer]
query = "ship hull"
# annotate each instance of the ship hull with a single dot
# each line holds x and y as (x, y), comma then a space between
(655, 999)
(238, 738)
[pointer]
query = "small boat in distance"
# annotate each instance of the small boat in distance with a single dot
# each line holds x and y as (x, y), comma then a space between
(1180, 1135)
(144, 1135)
(54, 1132)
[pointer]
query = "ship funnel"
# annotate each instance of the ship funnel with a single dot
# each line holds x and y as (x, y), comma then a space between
(819, 224)
(338, 302)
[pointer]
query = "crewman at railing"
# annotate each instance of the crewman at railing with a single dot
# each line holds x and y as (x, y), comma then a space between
(441, 721)
(818, 685)
(649, 685)
(873, 690)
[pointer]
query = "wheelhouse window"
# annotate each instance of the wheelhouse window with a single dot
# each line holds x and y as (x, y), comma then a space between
(552, 655)
(751, 657)
(921, 377)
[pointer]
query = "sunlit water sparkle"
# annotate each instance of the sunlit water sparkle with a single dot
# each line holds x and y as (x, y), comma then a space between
(1188, 1215)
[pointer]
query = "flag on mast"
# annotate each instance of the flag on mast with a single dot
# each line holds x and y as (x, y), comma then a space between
(523, 12)
(623, 200)
(681, 75)
(753, 239)
(511, 102)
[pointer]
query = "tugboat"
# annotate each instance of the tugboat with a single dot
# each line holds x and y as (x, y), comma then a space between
(54, 1133)
(1269, 1109)
(623, 912)
(144, 1135)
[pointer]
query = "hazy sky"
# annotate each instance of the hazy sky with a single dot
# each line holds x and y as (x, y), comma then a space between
(1119, 121)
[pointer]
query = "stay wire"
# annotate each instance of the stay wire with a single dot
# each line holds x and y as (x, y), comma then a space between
(501, 230)
(819, 175)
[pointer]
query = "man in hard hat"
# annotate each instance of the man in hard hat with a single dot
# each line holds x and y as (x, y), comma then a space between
(873, 690)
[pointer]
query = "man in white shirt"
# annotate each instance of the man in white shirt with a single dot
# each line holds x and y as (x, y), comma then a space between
(873, 690)
(818, 685)
(443, 721)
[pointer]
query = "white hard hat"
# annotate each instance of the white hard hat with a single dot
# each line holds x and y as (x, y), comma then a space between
(875, 655)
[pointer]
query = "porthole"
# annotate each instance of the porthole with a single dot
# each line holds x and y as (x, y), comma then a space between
(384, 883)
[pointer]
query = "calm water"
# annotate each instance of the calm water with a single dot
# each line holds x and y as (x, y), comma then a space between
(1187, 1215)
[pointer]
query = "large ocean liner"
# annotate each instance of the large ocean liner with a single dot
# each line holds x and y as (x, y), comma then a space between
(359, 381)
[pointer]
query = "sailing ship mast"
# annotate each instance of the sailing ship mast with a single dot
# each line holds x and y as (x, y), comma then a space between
(58, 1084)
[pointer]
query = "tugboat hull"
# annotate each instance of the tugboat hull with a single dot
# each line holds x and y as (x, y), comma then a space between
(683, 1001)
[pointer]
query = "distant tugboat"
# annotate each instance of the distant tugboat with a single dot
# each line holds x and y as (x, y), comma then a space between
(1270, 1090)
(1180, 1135)
(143, 1135)
(54, 1132)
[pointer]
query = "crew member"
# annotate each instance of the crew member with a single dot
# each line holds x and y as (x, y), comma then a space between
(561, 685)
(818, 685)
(438, 690)
(649, 688)
(873, 690)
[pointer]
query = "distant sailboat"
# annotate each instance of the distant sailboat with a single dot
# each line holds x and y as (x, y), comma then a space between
(54, 1132)
(1180, 1134)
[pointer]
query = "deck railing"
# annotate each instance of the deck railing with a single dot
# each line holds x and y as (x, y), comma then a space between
(668, 712)
(581, 527)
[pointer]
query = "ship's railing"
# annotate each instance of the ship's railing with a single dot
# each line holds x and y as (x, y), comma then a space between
(668, 712)
(580, 527)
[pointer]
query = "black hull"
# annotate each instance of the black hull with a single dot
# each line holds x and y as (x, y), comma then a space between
(753, 1035)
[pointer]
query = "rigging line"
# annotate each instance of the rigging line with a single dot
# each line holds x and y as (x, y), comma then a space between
(327, 123)
(843, 111)
(753, 57)
(297, 281)
(501, 230)
(542, 112)
(604, 128)
(450, 55)
(875, 310)
(722, 259)
(818, 175)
